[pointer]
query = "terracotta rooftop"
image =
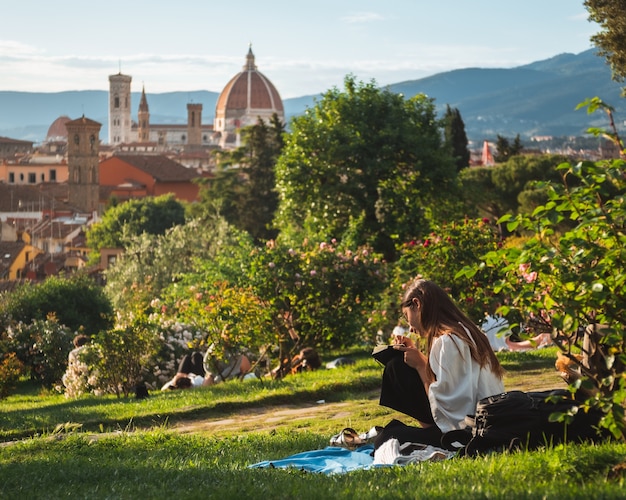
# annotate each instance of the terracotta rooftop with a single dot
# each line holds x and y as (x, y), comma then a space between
(160, 167)
(250, 89)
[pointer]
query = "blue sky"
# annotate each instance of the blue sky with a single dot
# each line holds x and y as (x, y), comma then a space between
(303, 47)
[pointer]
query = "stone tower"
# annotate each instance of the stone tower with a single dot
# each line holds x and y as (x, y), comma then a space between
(119, 109)
(194, 125)
(144, 118)
(83, 144)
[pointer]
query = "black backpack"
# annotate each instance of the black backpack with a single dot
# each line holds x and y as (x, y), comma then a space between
(517, 419)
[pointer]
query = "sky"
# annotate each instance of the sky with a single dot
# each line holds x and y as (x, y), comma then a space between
(304, 48)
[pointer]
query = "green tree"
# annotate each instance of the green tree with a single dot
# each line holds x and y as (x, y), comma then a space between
(244, 184)
(505, 149)
(151, 215)
(77, 302)
(611, 16)
(456, 138)
(509, 187)
(363, 161)
(151, 263)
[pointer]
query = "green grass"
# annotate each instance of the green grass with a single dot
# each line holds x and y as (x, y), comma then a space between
(199, 444)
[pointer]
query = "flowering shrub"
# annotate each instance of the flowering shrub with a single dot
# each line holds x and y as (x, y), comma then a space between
(42, 346)
(79, 378)
(318, 292)
(440, 257)
(315, 294)
(575, 278)
(117, 358)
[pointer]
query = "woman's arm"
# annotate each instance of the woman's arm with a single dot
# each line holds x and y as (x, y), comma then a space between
(415, 359)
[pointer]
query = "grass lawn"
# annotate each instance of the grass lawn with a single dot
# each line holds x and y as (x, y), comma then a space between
(199, 444)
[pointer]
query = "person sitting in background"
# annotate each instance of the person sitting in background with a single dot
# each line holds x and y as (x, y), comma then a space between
(496, 329)
(76, 376)
(234, 364)
(190, 374)
(306, 360)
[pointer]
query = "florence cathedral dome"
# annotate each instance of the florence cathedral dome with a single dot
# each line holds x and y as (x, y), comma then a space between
(248, 96)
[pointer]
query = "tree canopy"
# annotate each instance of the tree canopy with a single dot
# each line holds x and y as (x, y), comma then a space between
(244, 184)
(362, 163)
(151, 215)
(611, 16)
(456, 138)
(509, 187)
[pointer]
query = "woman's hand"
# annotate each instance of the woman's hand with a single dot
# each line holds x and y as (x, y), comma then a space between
(412, 356)
(402, 340)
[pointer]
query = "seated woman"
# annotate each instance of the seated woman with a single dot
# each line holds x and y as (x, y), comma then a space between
(442, 385)
(190, 373)
(307, 359)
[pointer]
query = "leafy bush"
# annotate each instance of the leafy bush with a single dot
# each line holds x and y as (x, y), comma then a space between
(10, 370)
(280, 293)
(118, 358)
(577, 278)
(76, 302)
(439, 257)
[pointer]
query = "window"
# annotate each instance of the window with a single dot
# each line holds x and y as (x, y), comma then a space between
(11, 178)
(32, 178)
(43, 178)
(116, 102)
(53, 175)
(21, 177)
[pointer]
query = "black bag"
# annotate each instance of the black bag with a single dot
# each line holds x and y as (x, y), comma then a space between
(517, 419)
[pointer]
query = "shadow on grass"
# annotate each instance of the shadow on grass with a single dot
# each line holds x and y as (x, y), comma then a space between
(98, 414)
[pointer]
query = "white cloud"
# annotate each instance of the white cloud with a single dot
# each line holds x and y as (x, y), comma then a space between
(13, 48)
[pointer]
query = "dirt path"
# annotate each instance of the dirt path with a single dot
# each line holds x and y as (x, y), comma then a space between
(268, 418)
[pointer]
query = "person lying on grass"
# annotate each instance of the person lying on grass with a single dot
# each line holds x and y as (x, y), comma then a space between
(196, 370)
(442, 385)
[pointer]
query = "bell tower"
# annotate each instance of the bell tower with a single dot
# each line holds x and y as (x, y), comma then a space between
(144, 118)
(194, 125)
(119, 109)
(83, 145)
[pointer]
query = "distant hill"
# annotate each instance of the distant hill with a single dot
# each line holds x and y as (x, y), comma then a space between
(536, 99)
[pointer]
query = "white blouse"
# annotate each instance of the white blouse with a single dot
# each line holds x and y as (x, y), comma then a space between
(460, 382)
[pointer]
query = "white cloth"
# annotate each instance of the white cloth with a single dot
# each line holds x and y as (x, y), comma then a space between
(497, 330)
(392, 453)
(460, 382)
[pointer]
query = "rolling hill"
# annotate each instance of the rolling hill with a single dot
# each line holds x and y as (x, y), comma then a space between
(536, 99)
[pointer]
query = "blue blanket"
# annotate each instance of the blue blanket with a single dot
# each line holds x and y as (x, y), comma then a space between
(330, 460)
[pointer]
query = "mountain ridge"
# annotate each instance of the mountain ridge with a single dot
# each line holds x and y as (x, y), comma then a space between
(539, 98)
